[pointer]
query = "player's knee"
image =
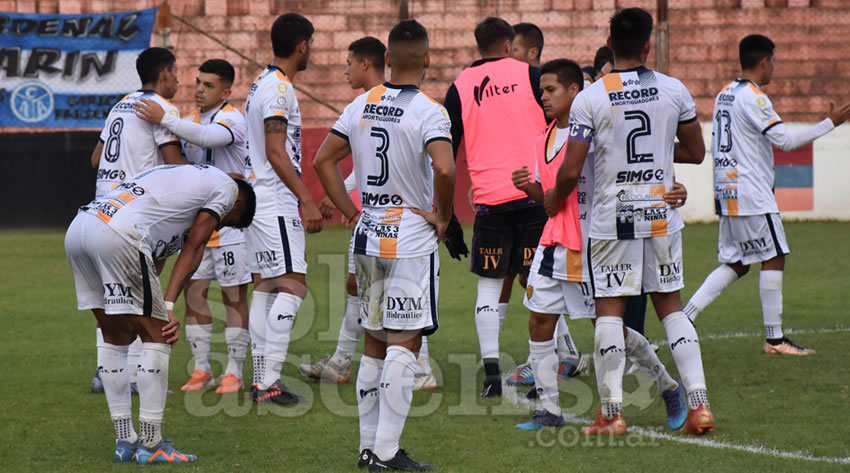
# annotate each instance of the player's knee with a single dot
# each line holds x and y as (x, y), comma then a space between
(740, 268)
(351, 286)
(523, 280)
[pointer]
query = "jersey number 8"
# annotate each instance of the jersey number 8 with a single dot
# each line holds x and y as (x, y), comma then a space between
(112, 148)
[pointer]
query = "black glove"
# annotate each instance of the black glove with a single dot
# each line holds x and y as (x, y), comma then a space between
(454, 239)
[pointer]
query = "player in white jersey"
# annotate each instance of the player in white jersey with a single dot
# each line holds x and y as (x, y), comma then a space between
(129, 145)
(559, 282)
(112, 245)
(745, 127)
(633, 116)
(214, 135)
(400, 141)
(275, 239)
(364, 70)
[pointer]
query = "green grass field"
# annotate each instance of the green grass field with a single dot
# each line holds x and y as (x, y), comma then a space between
(50, 421)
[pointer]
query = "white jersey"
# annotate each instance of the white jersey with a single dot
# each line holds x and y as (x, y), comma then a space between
(388, 129)
(743, 155)
(130, 144)
(632, 117)
(272, 97)
(230, 158)
(154, 210)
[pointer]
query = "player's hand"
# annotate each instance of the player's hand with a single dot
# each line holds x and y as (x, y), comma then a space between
(171, 330)
(354, 220)
(149, 111)
(551, 204)
(326, 207)
(433, 219)
(521, 177)
(839, 115)
(312, 218)
(471, 202)
(677, 196)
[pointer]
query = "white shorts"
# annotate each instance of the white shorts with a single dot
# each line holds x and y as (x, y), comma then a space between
(110, 273)
(398, 294)
(229, 265)
(751, 238)
(276, 246)
(560, 262)
(622, 267)
(351, 255)
(546, 295)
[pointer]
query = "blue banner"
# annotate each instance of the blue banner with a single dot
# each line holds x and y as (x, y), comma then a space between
(66, 71)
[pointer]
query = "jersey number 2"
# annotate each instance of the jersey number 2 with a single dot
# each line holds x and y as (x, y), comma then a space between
(642, 129)
(381, 153)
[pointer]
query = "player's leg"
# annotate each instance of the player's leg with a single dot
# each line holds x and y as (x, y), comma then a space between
(367, 389)
(505, 297)
(199, 325)
(642, 355)
(257, 237)
(236, 335)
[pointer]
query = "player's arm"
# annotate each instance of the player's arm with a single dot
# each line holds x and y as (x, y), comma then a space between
(521, 179)
(95, 155)
(213, 135)
(327, 207)
(677, 195)
(788, 140)
(275, 131)
(187, 262)
(333, 150)
(442, 159)
(453, 108)
(171, 154)
(569, 172)
(690, 149)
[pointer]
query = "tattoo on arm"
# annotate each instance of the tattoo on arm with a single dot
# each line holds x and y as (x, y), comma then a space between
(275, 127)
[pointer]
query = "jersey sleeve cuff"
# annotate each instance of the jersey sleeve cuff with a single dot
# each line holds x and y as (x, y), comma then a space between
(438, 138)
(232, 138)
(339, 134)
(276, 117)
(169, 143)
(771, 126)
(688, 120)
(211, 212)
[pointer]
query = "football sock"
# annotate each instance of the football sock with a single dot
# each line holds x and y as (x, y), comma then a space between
(112, 365)
(503, 313)
(487, 316)
(237, 339)
(684, 344)
(566, 347)
(199, 336)
(770, 290)
(639, 351)
(544, 365)
(424, 357)
(278, 329)
(396, 393)
(697, 397)
(714, 284)
(350, 331)
(134, 355)
(260, 306)
(609, 360)
(153, 387)
(368, 408)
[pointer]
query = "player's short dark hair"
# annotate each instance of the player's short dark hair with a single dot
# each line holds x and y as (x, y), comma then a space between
(492, 31)
(288, 31)
(568, 72)
(631, 29)
(531, 35)
(151, 62)
(603, 56)
(753, 49)
(223, 69)
(370, 48)
(246, 192)
(407, 44)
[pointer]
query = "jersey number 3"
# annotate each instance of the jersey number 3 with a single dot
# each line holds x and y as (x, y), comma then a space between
(381, 153)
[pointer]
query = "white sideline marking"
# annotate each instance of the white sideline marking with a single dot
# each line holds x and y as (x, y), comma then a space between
(512, 395)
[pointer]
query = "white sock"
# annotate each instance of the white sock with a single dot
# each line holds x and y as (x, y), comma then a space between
(684, 343)
(424, 356)
(770, 290)
(134, 356)
(199, 336)
(566, 347)
(714, 284)
(153, 387)
(396, 393)
(99, 337)
(503, 313)
(278, 329)
(544, 364)
(609, 360)
(237, 339)
(260, 305)
(350, 331)
(368, 408)
(487, 316)
(112, 365)
(639, 352)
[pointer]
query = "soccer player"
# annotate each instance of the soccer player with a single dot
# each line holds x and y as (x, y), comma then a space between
(400, 140)
(745, 126)
(633, 116)
(494, 107)
(528, 43)
(276, 237)
(364, 69)
(129, 145)
(559, 281)
(603, 61)
(215, 135)
(112, 246)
